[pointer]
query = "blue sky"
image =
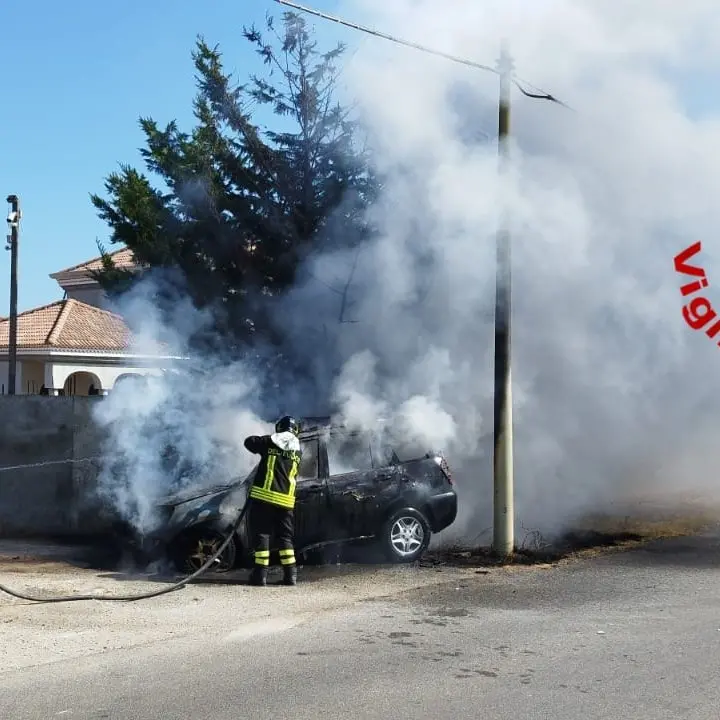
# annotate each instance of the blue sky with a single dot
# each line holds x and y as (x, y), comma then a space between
(76, 78)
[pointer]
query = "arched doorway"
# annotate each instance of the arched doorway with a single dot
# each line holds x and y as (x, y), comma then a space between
(129, 379)
(82, 383)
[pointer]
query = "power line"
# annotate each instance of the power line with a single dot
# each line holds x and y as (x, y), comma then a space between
(518, 82)
(385, 36)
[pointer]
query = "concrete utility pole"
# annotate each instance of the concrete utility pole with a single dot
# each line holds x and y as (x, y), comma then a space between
(503, 505)
(13, 220)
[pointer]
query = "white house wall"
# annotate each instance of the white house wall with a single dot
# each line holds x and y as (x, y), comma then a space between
(57, 373)
(92, 295)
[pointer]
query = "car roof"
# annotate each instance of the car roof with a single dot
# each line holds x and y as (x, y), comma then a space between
(323, 426)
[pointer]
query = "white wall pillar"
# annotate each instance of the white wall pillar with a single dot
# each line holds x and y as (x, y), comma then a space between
(49, 379)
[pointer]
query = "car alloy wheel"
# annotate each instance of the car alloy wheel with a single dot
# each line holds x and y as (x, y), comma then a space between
(199, 547)
(407, 535)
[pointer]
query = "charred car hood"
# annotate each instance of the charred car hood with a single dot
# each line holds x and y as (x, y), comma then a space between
(219, 505)
(183, 496)
(197, 492)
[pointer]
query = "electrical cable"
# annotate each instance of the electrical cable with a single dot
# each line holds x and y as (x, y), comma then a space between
(385, 36)
(541, 95)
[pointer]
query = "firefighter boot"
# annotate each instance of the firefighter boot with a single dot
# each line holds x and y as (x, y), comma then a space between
(258, 577)
(290, 575)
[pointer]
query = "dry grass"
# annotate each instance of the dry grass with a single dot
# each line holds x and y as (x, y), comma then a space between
(593, 535)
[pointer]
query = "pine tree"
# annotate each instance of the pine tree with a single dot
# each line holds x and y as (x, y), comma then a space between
(241, 206)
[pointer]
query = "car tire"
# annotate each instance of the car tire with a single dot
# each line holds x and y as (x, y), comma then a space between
(192, 550)
(405, 536)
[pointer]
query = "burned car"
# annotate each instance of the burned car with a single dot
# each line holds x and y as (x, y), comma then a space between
(352, 488)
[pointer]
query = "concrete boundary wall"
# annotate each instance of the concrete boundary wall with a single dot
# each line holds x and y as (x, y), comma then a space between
(40, 495)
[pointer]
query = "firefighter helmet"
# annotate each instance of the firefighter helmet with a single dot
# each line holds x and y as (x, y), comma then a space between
(287, 424)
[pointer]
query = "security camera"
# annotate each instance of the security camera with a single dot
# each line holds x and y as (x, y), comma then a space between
(13, 219)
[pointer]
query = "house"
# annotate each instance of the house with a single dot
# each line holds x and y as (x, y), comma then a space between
(76, 346)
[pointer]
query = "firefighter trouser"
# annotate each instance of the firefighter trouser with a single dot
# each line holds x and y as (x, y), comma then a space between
(268, 520)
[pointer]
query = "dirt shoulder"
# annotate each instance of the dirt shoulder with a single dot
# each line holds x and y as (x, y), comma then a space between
(45, 556)
(590, 536)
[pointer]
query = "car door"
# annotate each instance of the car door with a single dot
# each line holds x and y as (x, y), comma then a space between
(310, 495)
(357, 489)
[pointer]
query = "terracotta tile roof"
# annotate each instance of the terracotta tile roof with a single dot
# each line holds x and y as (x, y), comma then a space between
(123, 258)
(68, 325)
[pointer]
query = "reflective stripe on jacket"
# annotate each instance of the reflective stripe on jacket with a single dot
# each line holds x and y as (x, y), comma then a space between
(276, 475)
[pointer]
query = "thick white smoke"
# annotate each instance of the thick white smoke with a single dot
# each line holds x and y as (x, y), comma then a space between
(612, 389)
(177, 429)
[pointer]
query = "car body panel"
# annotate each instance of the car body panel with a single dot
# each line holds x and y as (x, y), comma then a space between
(442, 511)
(311, 492)
(311, 509)
(357, 498)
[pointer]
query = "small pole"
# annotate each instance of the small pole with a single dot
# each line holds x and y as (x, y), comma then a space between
(503, 506)
(14, 223)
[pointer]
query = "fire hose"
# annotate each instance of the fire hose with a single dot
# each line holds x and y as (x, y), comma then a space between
(162, 591)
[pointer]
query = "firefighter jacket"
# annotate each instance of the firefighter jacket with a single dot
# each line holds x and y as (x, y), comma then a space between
(274, 480)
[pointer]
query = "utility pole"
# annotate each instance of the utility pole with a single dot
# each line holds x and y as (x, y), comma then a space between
(503, 505)
(13, 220)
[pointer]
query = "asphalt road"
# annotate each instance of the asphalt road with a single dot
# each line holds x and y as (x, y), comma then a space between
(633, 635)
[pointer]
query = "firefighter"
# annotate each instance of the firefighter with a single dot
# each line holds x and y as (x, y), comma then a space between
(272, 498)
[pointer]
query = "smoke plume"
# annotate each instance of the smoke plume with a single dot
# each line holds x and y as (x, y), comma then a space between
(179, 428)
(611, 387)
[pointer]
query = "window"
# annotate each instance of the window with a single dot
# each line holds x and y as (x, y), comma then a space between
(349, 453)
(383, 454)
(309, 463)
